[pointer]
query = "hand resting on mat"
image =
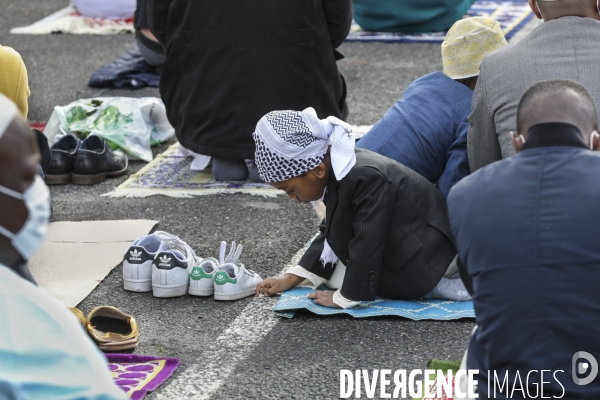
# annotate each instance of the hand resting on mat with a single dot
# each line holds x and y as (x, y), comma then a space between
(323, 298)
(274, 285)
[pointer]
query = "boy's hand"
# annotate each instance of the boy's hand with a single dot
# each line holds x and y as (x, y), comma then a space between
(324, 298)
(271, 286)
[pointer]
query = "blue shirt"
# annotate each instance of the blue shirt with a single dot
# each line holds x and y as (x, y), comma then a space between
(527, 230)
(426, 130)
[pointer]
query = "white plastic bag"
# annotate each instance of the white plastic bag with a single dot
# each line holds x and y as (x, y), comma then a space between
(131, 124)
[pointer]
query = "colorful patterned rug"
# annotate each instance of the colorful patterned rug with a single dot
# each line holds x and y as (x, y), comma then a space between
(137, 375)
(294, 300)
(68, 20)
(512, 16)
(169, 174)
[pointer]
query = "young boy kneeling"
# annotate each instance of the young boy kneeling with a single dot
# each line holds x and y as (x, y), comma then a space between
(386, 231)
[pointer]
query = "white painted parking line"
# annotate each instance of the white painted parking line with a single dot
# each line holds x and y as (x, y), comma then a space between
(238, 340)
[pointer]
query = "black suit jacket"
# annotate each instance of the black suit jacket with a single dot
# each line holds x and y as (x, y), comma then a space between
(389, 226)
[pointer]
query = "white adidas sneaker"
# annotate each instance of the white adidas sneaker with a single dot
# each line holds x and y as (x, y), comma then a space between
(171, 269)
(201, 277)
(232, 280)
(137, 262)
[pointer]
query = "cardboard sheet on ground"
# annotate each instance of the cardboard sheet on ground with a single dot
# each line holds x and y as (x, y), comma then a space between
(77, 256)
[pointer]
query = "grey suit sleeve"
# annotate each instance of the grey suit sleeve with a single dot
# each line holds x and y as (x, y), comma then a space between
(482, 141)
(158, 12)
(338, 14)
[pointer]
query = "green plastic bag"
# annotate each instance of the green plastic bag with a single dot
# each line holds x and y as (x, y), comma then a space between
(129, 124)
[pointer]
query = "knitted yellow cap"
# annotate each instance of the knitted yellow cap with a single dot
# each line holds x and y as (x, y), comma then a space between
(467, 42)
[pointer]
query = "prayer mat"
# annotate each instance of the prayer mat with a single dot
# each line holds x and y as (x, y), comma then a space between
(445, 366)
(512, 16)
(293, 300)
(137, 375)
(169, 174)
(129, 71)
(68, 20)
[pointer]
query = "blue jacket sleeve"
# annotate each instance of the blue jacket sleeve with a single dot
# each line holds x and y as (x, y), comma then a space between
(457, 166)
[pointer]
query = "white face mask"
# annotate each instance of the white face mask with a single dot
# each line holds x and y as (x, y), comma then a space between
(594, 134)
(33, 232)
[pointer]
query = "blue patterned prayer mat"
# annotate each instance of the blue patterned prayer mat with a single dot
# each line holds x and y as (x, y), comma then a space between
(294, 300)
(512, 16)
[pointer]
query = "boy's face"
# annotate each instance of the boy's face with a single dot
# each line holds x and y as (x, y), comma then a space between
(307, 187)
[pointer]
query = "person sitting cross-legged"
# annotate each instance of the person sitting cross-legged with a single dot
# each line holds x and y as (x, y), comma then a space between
(14, 83)
(527, 230)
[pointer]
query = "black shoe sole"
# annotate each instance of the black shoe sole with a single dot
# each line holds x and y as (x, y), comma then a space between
(97, 178)
(58, 179)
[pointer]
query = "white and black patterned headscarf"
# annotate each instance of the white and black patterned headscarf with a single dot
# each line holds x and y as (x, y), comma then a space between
(290, 143)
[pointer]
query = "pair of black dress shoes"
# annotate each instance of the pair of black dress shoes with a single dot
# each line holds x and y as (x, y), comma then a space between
(84, 162)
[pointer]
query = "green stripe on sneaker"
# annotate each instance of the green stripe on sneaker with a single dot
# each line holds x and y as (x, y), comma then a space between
(198, 273)
(222, 278)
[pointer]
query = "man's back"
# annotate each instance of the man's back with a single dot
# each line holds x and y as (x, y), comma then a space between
(426, 130)
(564, 48)
(13, 78)
(527, 230)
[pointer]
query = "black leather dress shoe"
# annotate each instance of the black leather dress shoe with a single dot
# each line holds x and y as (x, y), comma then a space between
(61, 166)
(94, 161)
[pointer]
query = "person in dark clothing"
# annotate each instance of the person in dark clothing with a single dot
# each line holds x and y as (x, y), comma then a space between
(386, 231)
(229, 63)
(152, 51)
(526, 229)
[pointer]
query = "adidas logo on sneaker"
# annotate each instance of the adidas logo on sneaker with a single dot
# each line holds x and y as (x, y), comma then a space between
(164, 261)
(172, 267)
(196, 274)
(135, 255)
(222, 278)
(138, 259)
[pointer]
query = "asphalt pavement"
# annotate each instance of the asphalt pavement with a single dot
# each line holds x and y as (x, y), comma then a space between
(232, 350)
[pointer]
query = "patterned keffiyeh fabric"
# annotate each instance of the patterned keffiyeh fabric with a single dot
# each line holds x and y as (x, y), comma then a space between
(290, 143)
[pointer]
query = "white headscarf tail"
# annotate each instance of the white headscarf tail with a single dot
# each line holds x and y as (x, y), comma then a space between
(340, 136)
(342, 142)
